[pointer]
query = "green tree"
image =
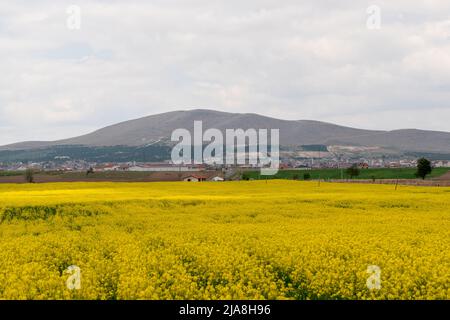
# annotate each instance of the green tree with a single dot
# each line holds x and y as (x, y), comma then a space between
(353, 171)
(90, 171)
(423, 168)
(307, 176)
(29, 175)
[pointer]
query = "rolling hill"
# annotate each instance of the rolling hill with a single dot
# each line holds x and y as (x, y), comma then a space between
(156, 130)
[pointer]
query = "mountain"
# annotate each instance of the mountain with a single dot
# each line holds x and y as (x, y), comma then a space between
(157, 129)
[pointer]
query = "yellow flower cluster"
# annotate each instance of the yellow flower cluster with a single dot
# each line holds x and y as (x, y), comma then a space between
(234, 240)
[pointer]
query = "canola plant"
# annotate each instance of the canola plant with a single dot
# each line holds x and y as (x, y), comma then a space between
(232, 240)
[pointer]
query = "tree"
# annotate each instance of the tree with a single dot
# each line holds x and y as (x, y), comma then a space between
(29, 175)
(90, 171)
(246, 176)
(306, 176)
(353, 171)
(423, 168)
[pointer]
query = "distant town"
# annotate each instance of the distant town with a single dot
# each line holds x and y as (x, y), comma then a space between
(64, 164)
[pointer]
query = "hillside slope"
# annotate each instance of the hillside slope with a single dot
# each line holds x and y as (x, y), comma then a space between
(156, 129)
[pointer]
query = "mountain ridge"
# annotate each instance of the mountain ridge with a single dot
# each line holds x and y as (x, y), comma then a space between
(156, 129)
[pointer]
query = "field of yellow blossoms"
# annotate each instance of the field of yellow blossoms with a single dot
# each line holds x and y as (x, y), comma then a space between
(232, 240)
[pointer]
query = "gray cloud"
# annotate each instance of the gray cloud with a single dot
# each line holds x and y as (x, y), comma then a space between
(288, 59)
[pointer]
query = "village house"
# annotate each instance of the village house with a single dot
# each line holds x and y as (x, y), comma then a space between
(194, 178)
(363, 165)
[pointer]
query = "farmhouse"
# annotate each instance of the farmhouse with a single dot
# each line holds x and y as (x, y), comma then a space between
(194, 178)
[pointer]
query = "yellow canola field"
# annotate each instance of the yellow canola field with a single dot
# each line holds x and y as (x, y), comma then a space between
(233, 240)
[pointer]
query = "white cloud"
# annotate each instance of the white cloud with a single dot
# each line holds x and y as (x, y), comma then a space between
(290, 59)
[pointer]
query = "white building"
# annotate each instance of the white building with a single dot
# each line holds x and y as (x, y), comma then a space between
(163, 168)
(194, 178)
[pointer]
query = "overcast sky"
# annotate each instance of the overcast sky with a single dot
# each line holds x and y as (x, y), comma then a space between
(291, 59)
